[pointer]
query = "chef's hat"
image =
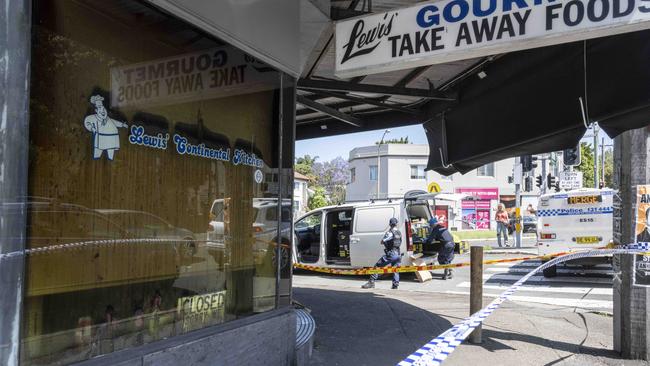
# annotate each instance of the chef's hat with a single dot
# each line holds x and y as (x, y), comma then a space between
(96, 98)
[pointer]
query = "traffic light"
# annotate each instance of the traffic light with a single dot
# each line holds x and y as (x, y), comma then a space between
(527, 164)
(538, 181)
(528, 184)
(551, 181)
(571, 157)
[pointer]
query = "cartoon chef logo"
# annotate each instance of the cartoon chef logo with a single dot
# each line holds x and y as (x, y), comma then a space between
(104, 129)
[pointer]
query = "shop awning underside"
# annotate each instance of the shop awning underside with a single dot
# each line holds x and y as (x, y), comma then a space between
(482, 110)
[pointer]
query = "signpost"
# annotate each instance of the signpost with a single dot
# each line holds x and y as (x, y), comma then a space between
(571, 180)
(450, 30)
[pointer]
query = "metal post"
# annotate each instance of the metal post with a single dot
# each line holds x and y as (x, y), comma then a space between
(602, 160)
(544, 178)
(518, 179)
(476, 288)
(596, 155)
(379, 161)
(15, 41)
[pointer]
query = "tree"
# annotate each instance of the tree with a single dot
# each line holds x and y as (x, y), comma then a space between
(333, 176)
(609, 168)
(587, 165)
(318, 199)
(401, 140)
(305, 166)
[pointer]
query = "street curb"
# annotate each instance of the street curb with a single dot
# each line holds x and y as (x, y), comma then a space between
(509, 252)
(486, 239)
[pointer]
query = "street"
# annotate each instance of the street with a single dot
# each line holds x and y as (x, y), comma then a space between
(574, 287)
(377, 327)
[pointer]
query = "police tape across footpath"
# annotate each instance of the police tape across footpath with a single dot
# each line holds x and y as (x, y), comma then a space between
(438, 349)
(403, 269)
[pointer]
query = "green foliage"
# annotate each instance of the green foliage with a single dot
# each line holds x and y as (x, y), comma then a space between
(587, 165)
(401, 140)
(609, 168)
(318, 199)
(305, 166)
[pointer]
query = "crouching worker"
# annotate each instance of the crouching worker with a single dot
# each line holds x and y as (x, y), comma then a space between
(439, 233)
(391, 242)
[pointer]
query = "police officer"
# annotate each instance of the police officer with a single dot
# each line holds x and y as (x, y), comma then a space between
(391, 242)
(438, 232)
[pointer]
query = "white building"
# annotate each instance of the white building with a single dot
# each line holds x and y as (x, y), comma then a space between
(300, 194)
(401, 168)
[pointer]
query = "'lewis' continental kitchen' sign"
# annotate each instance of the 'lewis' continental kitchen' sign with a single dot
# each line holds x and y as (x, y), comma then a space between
(450, 30)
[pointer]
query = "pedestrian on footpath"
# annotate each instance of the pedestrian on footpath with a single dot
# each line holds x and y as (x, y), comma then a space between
(502, 219)
(391, 242)
(439, 233)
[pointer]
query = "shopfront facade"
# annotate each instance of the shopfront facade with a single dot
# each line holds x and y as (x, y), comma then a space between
(137, 222)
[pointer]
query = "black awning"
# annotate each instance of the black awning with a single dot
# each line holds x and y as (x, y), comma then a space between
(528, 102)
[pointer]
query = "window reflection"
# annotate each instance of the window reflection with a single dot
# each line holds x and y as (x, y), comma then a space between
(133, 238)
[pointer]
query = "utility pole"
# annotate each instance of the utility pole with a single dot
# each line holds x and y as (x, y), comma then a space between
(602, 160)
(518, 176)
(379, 161)
(596, 176)
(543, 187)
(631, 302)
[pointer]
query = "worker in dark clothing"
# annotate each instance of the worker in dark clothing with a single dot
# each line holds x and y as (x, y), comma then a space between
(439, 233)
(391, 242)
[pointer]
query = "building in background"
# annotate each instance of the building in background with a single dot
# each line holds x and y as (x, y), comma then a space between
(300, 194)
(390, 170)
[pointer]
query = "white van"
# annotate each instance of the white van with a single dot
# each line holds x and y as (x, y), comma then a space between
(349, 235)
(572, 221)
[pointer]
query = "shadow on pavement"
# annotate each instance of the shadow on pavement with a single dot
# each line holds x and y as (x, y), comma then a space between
(492, 342)
(366, 328)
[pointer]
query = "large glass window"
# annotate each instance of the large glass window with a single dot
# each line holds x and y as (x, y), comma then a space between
(150, 211)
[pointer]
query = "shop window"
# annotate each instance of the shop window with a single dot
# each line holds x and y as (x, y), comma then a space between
(149, 146)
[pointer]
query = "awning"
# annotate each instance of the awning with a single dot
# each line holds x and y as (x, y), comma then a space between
(529, 102)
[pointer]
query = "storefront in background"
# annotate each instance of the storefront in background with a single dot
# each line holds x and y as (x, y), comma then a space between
(148, 213)
(477, 212)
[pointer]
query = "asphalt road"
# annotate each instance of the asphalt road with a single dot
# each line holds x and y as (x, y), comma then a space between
(573, 288)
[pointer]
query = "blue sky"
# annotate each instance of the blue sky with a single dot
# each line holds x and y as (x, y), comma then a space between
(328, 148)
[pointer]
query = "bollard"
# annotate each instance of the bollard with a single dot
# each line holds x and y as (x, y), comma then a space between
(476, 288)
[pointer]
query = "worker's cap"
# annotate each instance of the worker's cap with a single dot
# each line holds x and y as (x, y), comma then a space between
(96, 98)
(392, 221)
(433, 221)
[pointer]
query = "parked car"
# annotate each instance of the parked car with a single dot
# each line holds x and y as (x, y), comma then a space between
(348, 235)
(146, 225)
(264, 227)
(529, 224)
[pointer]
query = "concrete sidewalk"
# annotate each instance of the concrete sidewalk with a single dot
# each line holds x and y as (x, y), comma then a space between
(381, 327)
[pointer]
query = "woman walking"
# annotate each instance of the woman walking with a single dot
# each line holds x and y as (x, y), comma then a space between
(503, 221)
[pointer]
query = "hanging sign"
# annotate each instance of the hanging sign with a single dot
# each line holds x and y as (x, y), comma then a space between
(449, 30)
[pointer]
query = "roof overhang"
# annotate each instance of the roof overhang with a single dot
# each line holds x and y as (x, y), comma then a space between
(485, 109)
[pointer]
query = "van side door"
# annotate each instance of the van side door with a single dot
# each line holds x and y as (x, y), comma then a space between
(370, 224)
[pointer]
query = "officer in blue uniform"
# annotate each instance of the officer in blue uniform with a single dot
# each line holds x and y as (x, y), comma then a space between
(391, 242)
(439, 233)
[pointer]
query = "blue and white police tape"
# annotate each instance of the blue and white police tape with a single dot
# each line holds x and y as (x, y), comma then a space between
(436, 351)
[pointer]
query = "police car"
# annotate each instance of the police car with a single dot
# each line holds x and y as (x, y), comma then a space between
(574, 221)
